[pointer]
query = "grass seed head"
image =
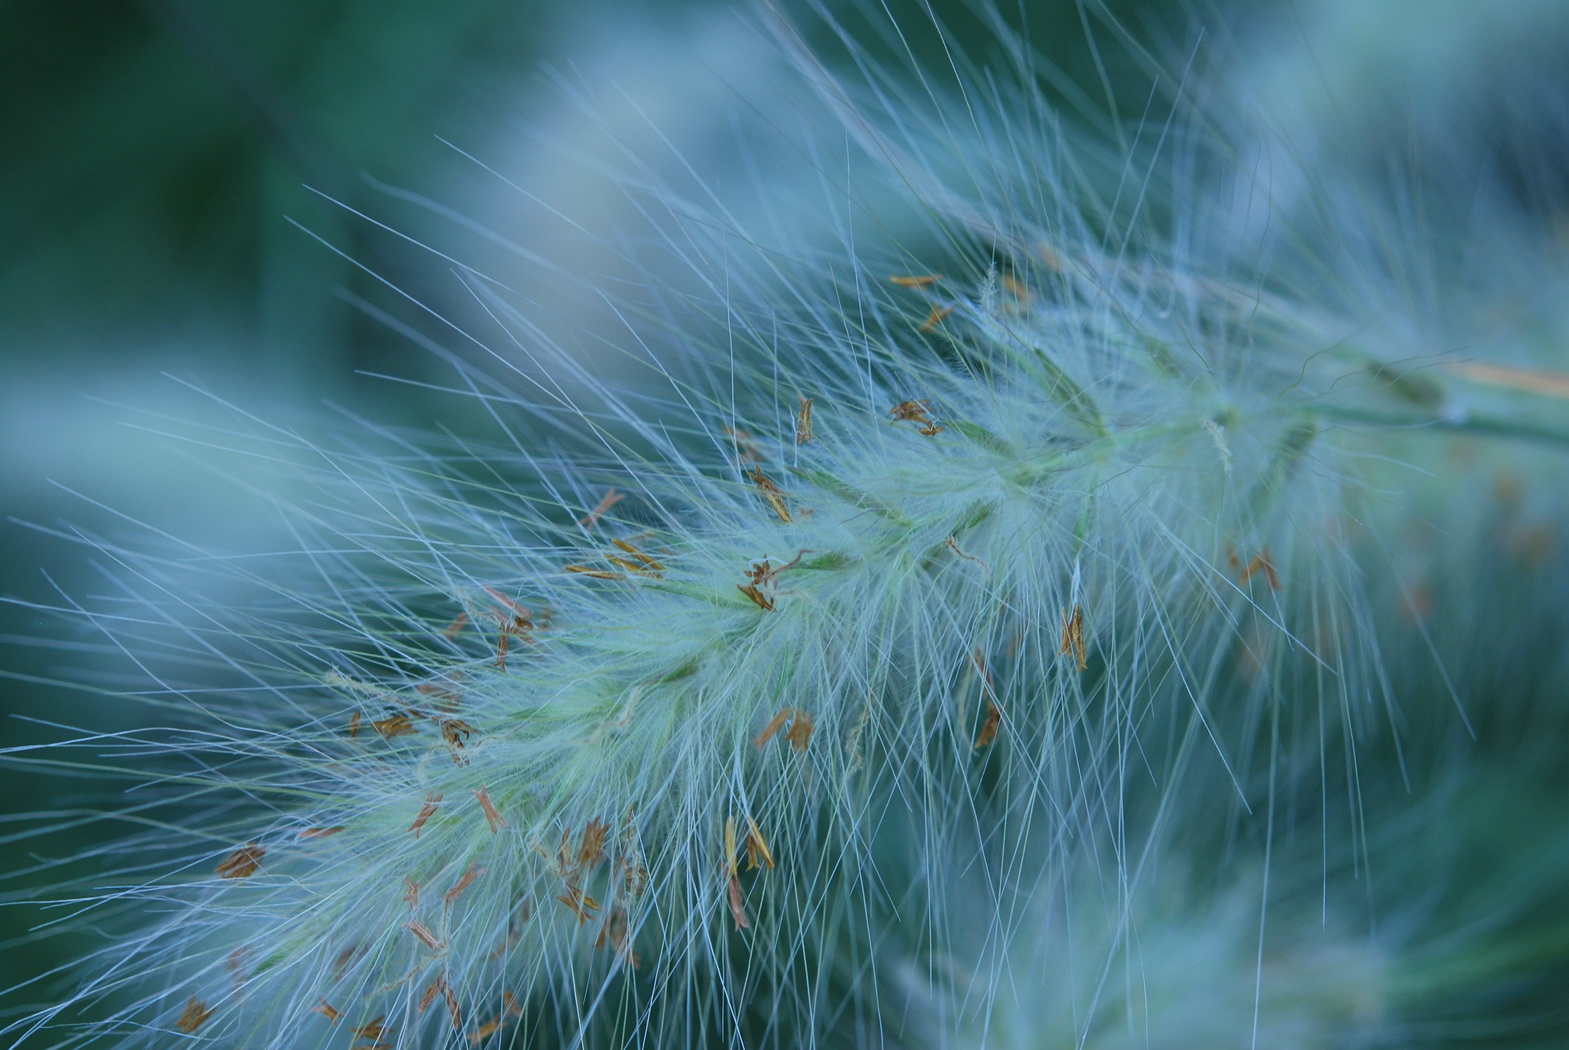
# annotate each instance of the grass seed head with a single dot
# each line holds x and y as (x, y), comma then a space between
(1147, 452)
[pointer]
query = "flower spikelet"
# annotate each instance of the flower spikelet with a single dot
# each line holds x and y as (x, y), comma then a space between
(984, 540)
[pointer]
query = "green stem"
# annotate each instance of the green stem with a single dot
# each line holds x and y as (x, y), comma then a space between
(1470, 423)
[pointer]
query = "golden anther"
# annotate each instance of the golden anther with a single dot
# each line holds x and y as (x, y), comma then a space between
(803, 423)
(772, 494)
(195, 1015)
(1073, 636)
(243, 862)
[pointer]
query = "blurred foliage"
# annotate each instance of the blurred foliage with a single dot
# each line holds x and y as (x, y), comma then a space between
(155, 149)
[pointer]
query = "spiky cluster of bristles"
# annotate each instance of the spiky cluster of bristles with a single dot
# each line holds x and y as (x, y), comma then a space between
(997, 545)
(923, 614)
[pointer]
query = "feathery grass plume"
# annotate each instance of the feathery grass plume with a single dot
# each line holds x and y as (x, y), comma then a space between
(1042, 510)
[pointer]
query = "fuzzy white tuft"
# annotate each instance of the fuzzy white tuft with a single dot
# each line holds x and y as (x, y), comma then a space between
(1040, 525)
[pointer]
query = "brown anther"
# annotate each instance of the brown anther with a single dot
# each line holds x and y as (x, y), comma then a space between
(765, 575)
(761, 600)
(327, 1010)
(604, 927)
(803, 423)
(458, 623)
(989, 727)
(953, 544)
(646, 564)
(921, 281)
(354, 725)
(800, 732)
(446, 698)
(195, 1015)
(373, 1029)
(443, 987)
(774, 725)
(564, 865)
(494, 819)
(579, 903)
(520, 623)
(737, 912)
(243, 862)
(426, 811)
(450, 997)
(393, 725)
(455, 731)
(761, 575)
(593, 847)
(595, 574)
(463, 883)
(235, 962)
(758, 855)
(934, 318)
(411, 893)
(1260, 562)
(634, 876)
(320, 833)
(520, 614)
(427, 938)
(916, 412)
(730, 846)
(772, 494)
(988, 683)
(342, 960)
(509, 1008)
(1073, 636)
(591, 519)
(1017, 289)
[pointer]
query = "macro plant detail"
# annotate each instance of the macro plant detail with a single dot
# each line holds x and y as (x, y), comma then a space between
(995, 581)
